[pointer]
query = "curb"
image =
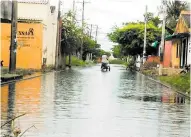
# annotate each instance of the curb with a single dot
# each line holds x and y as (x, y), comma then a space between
(165, 85)
(12, 81)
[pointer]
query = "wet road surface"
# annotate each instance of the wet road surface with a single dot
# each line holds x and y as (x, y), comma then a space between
(86, 102)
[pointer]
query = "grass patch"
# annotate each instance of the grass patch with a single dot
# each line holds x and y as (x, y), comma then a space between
(117, 61)
(180, 82)
(77, 62)
(9, 75)
(23, 72)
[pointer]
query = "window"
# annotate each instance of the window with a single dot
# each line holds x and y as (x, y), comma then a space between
(177, 51)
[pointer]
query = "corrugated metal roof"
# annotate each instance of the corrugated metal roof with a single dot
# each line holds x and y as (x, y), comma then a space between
(34, 1)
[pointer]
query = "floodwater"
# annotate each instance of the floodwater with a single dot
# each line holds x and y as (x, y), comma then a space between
(86, 102)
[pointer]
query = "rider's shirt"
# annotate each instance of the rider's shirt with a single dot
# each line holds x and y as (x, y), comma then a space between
(104, 59)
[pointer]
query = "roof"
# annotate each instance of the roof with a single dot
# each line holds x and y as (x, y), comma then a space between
(34, 1)
(186, 17)
(175, 36)
(170, 37)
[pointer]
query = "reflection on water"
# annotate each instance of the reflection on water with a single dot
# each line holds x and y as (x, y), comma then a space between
(90, 103)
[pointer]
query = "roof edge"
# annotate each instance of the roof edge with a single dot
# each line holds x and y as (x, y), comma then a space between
(186, 12)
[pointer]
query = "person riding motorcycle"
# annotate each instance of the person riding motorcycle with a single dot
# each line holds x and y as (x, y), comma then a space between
(104, 61)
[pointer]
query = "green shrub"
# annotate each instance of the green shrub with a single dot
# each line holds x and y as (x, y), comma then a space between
(181, 82)
(75, 61)
(117, 61)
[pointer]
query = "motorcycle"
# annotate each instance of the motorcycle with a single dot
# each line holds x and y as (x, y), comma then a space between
(105, 66)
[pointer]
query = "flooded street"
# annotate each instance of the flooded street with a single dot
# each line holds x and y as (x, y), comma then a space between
(85, 102)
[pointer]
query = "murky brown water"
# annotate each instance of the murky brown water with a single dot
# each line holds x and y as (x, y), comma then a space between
(90, 103)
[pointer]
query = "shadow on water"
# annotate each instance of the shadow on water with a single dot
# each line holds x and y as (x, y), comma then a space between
(143, 89)
(10, 110)
(178, 98)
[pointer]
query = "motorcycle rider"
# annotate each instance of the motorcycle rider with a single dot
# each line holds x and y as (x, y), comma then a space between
(104, 60)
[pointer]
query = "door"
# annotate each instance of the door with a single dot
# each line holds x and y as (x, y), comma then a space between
(183, 56)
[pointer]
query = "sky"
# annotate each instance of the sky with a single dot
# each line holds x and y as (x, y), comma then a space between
(107, 13)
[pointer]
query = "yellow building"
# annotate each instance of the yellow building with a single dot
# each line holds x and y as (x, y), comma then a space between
(180, 42)
(29, 45)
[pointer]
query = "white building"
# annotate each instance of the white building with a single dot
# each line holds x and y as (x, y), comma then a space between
(41, 11)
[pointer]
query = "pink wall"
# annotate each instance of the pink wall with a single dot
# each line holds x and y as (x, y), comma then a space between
(167, 54)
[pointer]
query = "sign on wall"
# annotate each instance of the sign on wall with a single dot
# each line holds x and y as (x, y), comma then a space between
(29, 45)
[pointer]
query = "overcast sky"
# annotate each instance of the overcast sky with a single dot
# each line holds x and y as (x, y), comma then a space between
(107, 13)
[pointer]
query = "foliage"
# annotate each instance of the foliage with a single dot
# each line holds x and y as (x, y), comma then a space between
(117, 61)
(149, 65)
(76, 62)
(71, 34)
(174, 9)
(181, 82)
(131, 38)
(131, 64)
(117, 51)
(72, 37)
(150, 18)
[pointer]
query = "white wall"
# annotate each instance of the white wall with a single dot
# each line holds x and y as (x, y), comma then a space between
(42, 12)
(51, 34)
(189, 51)
(32, 11)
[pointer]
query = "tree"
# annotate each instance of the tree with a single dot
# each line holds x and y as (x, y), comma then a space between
(72, 36)
(150, 18)
(130, 37)
(174, 9)
(117, 51)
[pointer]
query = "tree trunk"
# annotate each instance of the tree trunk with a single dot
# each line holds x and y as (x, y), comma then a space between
(63, 60)
(70, 59)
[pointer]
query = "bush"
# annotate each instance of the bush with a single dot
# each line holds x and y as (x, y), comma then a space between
(75, 61)
(117, 61)
(149, 65)
(181, 82)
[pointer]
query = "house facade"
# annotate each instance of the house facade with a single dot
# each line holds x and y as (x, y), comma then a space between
(177, 48)
(31, 13)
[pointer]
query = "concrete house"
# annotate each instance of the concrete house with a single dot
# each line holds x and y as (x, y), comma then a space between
(177, 50)
(42, 18)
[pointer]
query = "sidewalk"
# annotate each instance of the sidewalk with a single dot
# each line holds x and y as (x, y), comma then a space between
(19, 74)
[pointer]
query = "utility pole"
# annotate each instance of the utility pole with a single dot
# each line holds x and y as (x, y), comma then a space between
(91, 31)
(58, 38)
(96, 33)
(13, 46)
(162, 38)
(81, 50)
(74, 5)
(74, 12)
(145, 37)
(83, 7)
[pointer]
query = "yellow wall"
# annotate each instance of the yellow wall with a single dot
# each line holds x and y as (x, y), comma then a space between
(181, 26)
(175, 61)
(29, 50)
